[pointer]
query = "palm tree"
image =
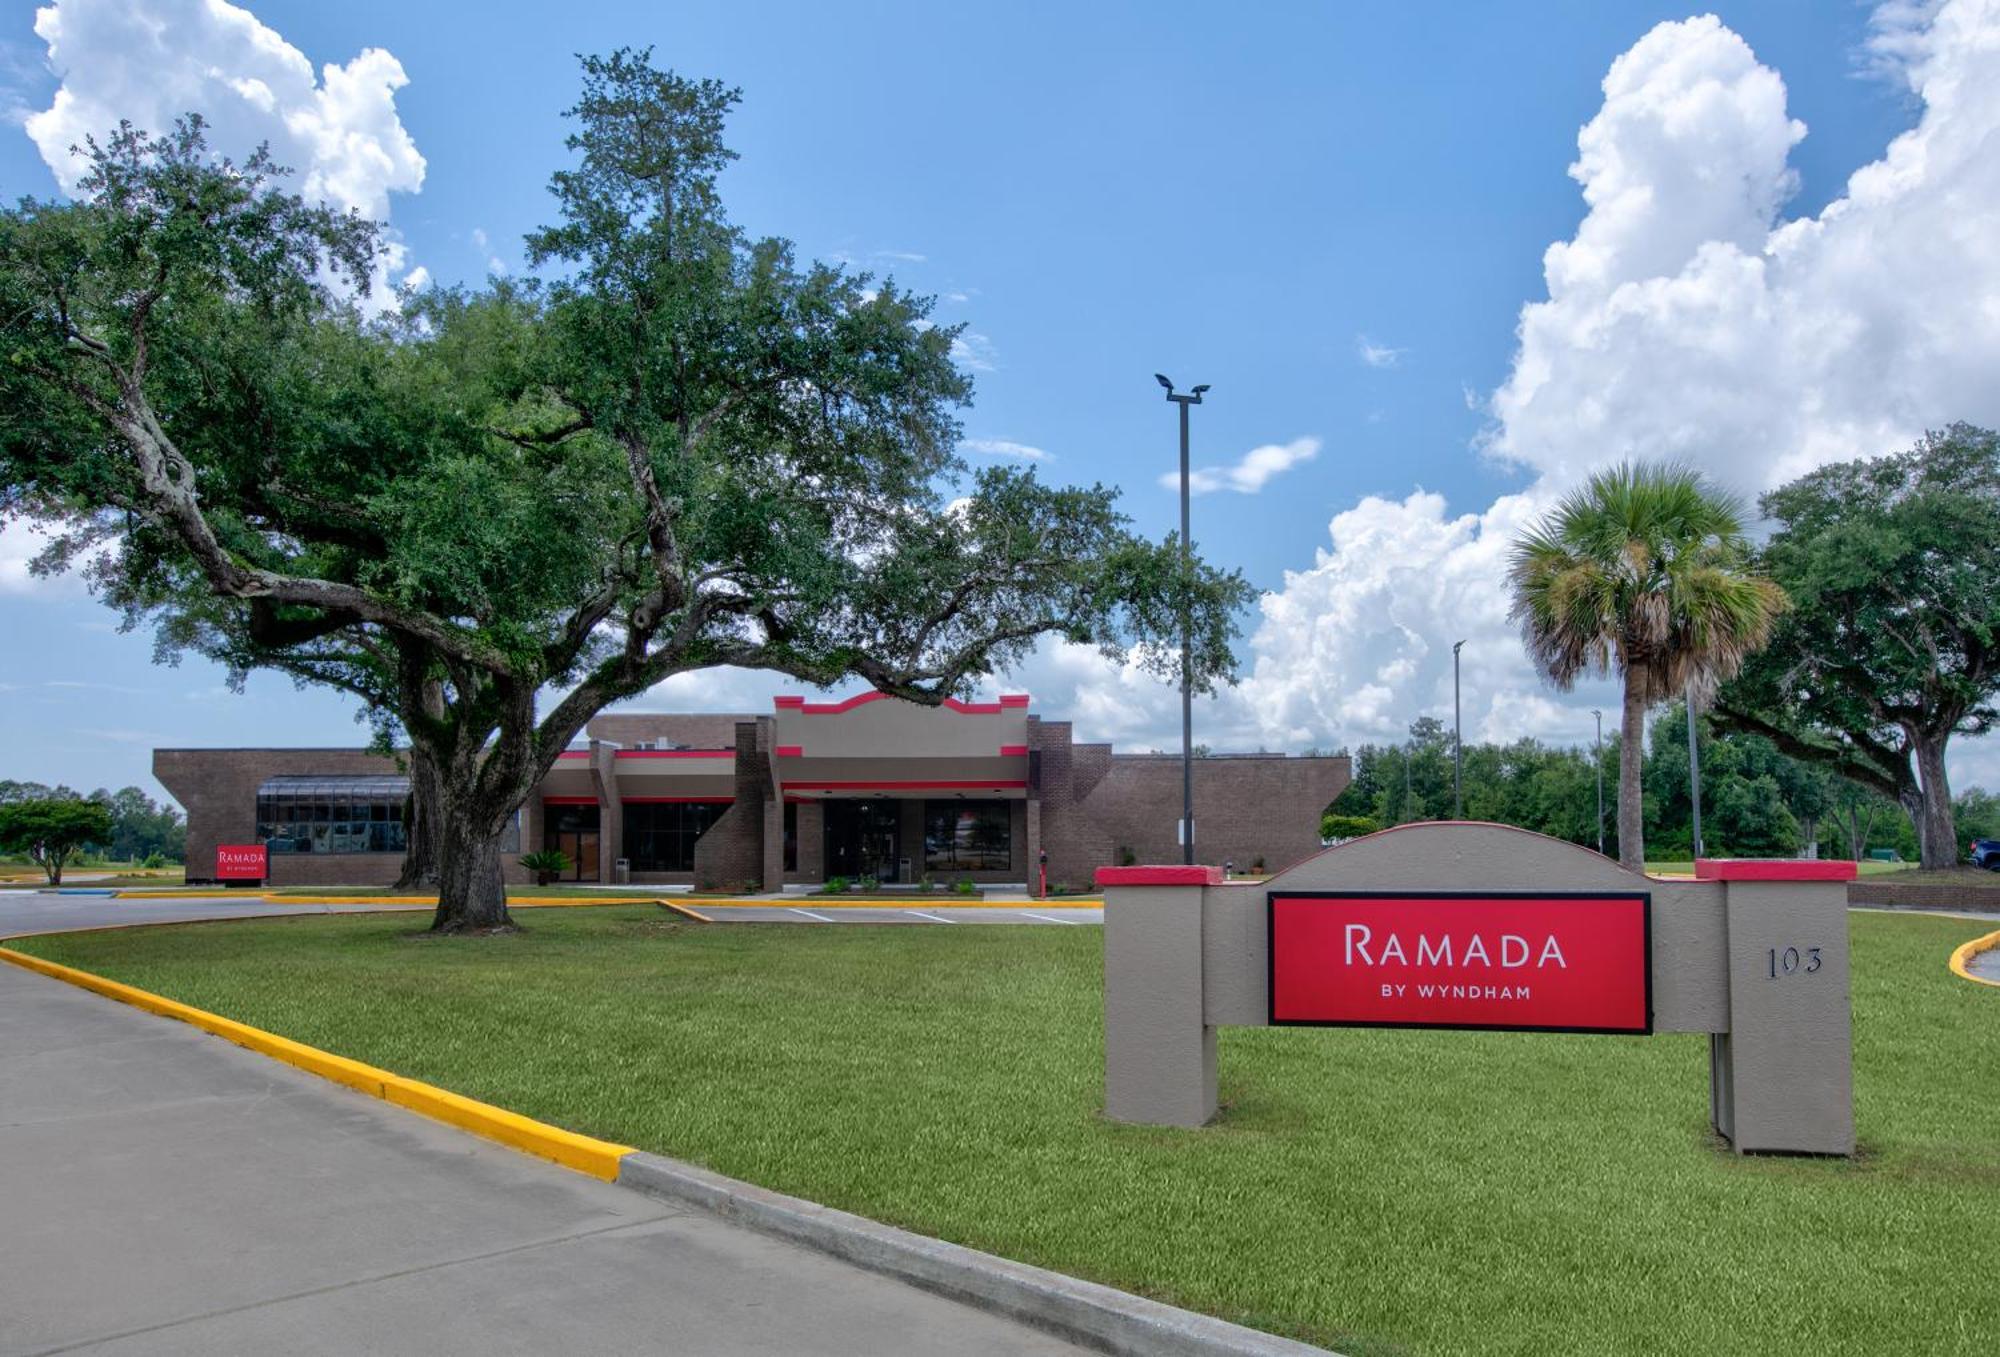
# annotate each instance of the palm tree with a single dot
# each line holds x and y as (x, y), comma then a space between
(1644, 570)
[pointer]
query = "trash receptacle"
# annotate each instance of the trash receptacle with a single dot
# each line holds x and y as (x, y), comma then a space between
(621, 871)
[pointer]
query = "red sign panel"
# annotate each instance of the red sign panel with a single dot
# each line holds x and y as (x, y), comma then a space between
(240, 862)
(1536, 963)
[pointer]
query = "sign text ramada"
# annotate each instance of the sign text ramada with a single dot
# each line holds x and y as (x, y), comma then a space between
(1545, 963)
(241, 862)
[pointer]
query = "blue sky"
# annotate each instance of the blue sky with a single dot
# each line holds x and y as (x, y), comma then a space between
(1334, 214)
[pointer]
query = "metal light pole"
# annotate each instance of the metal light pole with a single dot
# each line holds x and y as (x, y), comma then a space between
(1694, 772)
(1457, 741)
(1187, 628)
(1597, 753)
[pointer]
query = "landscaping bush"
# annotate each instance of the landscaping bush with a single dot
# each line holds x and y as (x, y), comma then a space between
(547, 864)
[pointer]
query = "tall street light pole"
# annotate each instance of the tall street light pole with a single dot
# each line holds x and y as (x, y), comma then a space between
(1694, 772)
(1187, 629)
(1457, 740)
(1597, 752)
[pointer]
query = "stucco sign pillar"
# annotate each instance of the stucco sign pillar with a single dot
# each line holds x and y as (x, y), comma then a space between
(1484, 926)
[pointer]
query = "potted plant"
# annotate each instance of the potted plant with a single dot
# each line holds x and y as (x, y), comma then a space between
(547, 865)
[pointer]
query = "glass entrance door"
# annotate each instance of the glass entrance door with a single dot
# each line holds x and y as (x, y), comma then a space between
(864, 838)
(572, 831)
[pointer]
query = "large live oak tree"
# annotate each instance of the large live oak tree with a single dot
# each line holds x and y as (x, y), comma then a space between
(686, 450)
(1893, 566)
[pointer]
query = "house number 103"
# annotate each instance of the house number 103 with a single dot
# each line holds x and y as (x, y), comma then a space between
(1793, 961)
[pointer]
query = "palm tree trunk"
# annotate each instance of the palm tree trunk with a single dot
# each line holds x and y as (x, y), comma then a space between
(1631, 768)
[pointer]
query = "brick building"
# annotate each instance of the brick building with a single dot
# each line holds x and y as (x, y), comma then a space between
(869, 787)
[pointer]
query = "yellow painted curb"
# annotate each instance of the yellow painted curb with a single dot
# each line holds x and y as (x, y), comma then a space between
(586, 1154)
(913, 902)
(413, 901)
(1961, 959)
(683, 910)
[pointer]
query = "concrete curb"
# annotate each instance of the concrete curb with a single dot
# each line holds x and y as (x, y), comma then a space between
(1098, 1316)
(1961, 959)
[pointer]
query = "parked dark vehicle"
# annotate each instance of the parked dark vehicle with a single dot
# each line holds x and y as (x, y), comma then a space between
(1985, 853)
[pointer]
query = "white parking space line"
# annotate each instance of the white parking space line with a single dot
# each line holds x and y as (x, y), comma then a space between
(1048, 918)
(934, 918)
(810, 915)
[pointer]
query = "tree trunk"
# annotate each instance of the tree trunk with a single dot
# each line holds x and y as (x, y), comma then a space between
(1937, 834)
(1631, 768)
(424, 823)
(472, 890)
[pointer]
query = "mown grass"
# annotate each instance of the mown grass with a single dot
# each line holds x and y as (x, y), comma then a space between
(1379, 1192)
(585, 890)
(1686, 868)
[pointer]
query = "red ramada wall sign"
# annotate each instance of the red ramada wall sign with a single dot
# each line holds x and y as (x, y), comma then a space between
(1536, 963)
(241, 862)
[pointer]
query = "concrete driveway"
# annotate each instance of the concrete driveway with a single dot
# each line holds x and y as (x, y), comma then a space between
(25, 912)
(164, 1192)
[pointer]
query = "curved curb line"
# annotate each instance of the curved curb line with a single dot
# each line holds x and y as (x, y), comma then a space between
(1104, 1318)
(1961, 959)
(585, 1154)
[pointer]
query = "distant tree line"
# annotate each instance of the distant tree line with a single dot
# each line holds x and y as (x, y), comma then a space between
(1756, 801)
(139, 827)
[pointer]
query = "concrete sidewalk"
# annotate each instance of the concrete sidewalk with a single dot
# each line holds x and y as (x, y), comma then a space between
(164, 1192)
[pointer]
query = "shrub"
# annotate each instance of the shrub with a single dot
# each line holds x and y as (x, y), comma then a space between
(836, 885)
(868, 883)
(965, 888)
(547, 864)
(1127, 858)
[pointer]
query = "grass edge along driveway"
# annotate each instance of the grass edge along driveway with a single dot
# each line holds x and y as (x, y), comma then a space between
(1378, 1192)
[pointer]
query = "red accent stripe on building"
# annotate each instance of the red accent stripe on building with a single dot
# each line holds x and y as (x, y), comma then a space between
(1774, 869)
(791, 751)
(1159, 876)
(569, 800)
(1012, 751)
(903, 786)
(677, 800)
(676, 753)
(1009, 700)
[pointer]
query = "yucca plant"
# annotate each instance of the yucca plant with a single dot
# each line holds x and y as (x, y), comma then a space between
(1644, 571)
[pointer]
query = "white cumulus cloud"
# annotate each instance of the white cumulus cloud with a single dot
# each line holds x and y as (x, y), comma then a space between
(1004, 447)
(1687, 317)
(150, 61)
(1250, 473)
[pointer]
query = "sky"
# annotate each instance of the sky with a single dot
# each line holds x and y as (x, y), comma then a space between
(1435, 262)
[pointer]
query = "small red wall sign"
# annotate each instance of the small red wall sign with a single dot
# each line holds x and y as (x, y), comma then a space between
(240, 862)
(1534, 963)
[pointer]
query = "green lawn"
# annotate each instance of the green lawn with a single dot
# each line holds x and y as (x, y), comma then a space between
(1381, 1192)
(585, 890)
(1686, 868)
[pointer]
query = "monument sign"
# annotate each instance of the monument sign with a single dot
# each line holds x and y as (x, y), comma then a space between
(1481, 926)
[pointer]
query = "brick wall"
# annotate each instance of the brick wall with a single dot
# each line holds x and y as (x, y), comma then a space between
(732, 853)
(1247, 806)
(704, 730)
(218, 790)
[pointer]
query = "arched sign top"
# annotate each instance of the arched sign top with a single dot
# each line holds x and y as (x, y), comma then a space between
(1458, 854)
